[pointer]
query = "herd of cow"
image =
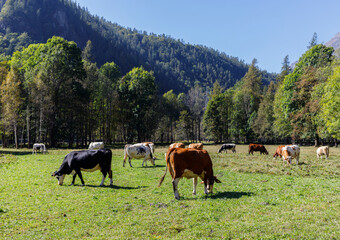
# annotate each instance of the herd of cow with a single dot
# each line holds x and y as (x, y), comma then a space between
(191, 162)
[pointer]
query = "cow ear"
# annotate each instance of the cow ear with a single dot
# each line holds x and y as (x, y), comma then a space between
(216, 180)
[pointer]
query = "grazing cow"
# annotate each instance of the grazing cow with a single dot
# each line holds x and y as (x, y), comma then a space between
(138, 151)
(278, 152)
(96, 145)
(151, 145)
(189, 163)
(88, 161)
(225, 147)
(39, 146)
(257, 148)
(196, 145)
(322, 151)
(289, 152)
(177, 145)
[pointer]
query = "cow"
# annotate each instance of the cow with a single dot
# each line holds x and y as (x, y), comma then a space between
(278, 152)
(85, 160)
(96, 145)
(289, 152)
(189, 163)
(177, 145)
(257, 148)
(151, 145)
(322, 151)
(226, 146)
(40, 146)
(138, 151)
(196, 145)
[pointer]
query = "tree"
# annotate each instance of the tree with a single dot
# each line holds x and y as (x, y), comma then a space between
(313, 41)
(293, 102)
(216, 117)
(246, 101)
(11, 102)
(196, 102)
(330, 104)
(263, 124)
(137, 96)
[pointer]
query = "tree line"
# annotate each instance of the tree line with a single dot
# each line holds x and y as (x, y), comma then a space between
(55, 93)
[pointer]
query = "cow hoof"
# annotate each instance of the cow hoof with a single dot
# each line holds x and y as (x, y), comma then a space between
(177, 198)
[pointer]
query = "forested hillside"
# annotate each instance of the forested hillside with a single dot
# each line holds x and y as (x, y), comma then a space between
(176, 65)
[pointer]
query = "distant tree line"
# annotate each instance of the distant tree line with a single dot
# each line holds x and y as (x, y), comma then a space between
(54, 93)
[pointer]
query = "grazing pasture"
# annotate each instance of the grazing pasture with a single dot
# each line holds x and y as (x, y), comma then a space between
(258, 198)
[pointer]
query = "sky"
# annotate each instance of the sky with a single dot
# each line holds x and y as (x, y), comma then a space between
(267, 30)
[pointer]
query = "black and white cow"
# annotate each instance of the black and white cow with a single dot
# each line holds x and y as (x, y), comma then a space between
(88, 161)
(39, 146)
(228, 146)
(138, 151)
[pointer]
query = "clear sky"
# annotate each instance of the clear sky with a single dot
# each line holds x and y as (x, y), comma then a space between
(267, 30)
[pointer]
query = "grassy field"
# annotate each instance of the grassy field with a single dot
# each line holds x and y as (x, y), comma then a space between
(259, 198)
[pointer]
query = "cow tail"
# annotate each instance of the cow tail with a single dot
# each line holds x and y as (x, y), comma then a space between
(167, 159)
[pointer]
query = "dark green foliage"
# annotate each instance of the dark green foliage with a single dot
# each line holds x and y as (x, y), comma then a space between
(176, 65)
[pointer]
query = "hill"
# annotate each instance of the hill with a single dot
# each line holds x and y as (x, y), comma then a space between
(176, 65)
(334, 42)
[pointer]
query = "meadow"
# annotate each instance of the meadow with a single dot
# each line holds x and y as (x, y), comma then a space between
(259, 198)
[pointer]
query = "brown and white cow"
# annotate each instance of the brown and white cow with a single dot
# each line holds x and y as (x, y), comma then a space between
(278, 152)
(196, 145)
(189, 163)
(177, 145)
(257, 148)
(322, 151)
(289, 152)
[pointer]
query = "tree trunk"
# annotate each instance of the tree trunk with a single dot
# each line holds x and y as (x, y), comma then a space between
(28, 127)
(15, 134)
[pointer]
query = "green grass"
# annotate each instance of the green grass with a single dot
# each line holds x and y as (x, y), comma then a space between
(259, 198)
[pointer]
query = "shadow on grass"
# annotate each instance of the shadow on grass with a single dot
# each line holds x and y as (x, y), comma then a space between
(17, 153)
(115, 187)
(230, 195)
(156, 166)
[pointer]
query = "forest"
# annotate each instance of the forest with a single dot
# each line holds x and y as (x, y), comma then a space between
(54, 93)
(176, 64)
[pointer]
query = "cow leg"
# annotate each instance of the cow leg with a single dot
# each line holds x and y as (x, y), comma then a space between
(73, 178)
(194, 181)
(175, 184)
(110, 176)
(103, 179)
(130, 162)
(81, 177)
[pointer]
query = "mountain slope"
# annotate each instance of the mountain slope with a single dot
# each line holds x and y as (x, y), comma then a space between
(334, 42)
(175, 64)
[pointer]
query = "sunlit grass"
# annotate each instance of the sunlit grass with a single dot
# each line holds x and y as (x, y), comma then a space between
(258, 198)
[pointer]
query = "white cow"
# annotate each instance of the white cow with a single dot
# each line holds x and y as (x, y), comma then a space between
(40, 146)
(322, 151)
(138, 151)
(289, 152)
(96, 145)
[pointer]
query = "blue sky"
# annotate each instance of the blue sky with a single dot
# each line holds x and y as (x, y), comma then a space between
(267, 30)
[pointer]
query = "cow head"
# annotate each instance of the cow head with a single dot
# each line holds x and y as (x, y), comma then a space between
(59, 176)
(153, 161)
(286, 156)
(210, 184)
